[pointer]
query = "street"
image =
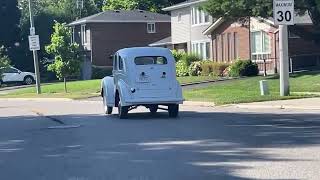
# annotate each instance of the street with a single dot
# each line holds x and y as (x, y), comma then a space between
(74, 140)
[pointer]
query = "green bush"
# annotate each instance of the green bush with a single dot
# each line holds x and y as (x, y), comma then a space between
(99, 73)
(182, 69)
(190, 58)
(210, 68)
(243, 68)
(177, 55)
(195, 68)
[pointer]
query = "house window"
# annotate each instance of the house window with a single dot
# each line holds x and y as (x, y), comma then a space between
(73, 35)
(236, 45)
(179, 17)
(229, 46)
(202, 49)
(260, 45)
(151, 28)
(83, 35)
(199, 16)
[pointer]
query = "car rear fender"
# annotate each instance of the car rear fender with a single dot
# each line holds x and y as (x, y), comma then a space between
(108, 90)
(124, 92)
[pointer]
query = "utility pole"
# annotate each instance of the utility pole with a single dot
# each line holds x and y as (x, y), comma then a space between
(80, 4)
(35, 53)
(284, 61)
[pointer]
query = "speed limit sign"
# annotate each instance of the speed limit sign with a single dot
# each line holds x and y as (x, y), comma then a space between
(283, 12)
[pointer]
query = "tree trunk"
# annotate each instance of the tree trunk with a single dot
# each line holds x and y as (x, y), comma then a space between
(65, 85)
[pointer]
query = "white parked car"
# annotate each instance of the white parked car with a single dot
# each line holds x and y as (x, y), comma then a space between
(13, 75)
(144, 76)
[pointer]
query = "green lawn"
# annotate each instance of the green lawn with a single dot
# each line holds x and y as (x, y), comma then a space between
(247, 90)
(79, 89)
(235, 91)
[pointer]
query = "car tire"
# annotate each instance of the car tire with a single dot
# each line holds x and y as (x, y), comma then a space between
(28, 80)
(123, 111)
(107, 109)
(1, 83)
(153, 108)
(173, 110)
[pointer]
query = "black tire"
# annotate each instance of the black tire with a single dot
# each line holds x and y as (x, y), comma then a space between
(28, 80)
(123, 111)
(153, 109)
(109, 109)
(1, 83)
(173, 110)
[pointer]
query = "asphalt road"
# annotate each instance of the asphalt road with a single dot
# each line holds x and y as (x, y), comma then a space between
(73, 140)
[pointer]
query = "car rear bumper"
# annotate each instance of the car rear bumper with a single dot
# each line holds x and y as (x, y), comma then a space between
(146, 101)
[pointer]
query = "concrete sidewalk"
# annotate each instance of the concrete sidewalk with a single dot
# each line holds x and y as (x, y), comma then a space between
(303, 104)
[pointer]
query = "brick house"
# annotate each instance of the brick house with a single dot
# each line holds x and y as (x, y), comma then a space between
(102, 34)
(258, 40)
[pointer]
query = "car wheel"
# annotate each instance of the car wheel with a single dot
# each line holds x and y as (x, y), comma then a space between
(153, 109)
(28, 80)
(107, 109)
(123, 111)
(1, 83)
(173, 110)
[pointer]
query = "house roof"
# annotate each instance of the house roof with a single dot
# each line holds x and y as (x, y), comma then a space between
(165, 41)
(183, 5)
(299, 19)
(123, 16)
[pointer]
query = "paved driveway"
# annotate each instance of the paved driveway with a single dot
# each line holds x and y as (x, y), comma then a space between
(73, 140)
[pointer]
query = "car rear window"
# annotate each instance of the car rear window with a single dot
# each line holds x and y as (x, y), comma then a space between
(148, 60)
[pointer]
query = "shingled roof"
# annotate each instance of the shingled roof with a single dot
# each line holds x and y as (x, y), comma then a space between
(123, 16)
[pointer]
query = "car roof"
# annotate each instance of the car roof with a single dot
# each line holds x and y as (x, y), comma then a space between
(144, 51)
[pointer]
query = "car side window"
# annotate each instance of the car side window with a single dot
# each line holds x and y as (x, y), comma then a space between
(120, 63)
(11, 70)
(115, 62)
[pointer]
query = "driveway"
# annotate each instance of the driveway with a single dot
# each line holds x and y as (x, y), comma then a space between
(73, 140)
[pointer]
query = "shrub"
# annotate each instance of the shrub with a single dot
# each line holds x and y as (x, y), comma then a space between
(177, 55)
(190, 58)
(195, 68)
(243, 68)
(182, 69)
(99, 72)
(210, 68)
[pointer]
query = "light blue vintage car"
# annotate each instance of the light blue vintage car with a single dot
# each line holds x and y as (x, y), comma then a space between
(142, 76)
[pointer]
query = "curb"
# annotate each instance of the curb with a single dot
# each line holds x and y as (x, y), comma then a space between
(36, 99)
(198, 103)
(209, 81)
(276, 107)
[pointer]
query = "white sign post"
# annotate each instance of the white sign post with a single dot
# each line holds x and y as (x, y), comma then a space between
(34, 43)
(283, 12)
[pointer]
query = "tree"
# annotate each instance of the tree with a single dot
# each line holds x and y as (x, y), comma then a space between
(66, 54)
(236, 9)
(148, 5)
(120, 5)
(4, 61)
(9, 18)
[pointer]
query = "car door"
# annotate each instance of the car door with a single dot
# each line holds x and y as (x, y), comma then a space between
(12, 75)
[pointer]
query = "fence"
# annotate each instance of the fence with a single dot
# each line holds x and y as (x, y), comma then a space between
(304, 62)
(296, 63)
